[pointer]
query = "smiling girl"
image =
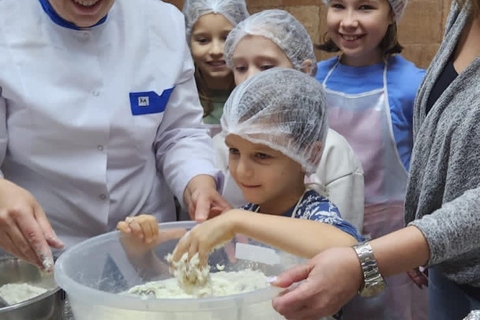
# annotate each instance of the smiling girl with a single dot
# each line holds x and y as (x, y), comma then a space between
(370, 92)
(208, 23)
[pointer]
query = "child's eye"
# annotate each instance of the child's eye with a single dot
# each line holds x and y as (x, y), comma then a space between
(262, 156)
(267, 66)
(240, 69)
(233, 151)
(337, 6)
(366, 7)
(202, 40)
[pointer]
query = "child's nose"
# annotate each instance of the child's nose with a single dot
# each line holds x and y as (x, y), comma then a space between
(244, 170)
(217, 48)
(349, 20)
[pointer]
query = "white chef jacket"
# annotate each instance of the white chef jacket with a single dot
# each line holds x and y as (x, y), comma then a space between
(339, 172)
(86, 124)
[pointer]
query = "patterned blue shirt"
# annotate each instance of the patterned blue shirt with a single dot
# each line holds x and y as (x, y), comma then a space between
(312, 206)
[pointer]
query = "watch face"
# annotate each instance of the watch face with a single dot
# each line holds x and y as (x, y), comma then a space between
(373, 290)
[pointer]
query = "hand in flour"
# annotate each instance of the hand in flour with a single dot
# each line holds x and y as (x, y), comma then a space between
(204, 237)
(24, 228)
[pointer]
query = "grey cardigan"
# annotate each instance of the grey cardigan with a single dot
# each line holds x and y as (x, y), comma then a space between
(443, 193)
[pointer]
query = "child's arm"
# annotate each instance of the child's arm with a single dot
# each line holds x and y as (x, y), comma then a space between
(300, 237)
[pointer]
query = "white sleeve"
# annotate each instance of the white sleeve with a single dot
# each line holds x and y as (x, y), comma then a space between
(183, 147)
(341, 173)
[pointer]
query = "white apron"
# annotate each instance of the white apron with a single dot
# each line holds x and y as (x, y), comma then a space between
(364, 120)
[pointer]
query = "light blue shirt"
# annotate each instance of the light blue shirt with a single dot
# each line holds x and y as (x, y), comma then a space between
(403, 80)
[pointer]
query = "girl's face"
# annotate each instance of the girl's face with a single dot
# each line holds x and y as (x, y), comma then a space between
(254, 54)
(208, 37)
(82, 13)
(357, 27)
(266, 176)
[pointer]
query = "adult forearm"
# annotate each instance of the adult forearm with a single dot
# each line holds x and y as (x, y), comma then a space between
(400, 251)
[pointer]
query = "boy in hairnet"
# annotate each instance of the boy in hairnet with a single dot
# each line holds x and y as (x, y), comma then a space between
(275, 127)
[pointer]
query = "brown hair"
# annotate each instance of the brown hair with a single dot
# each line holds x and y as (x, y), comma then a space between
(389, 44)
(204, 92)
(475, 5)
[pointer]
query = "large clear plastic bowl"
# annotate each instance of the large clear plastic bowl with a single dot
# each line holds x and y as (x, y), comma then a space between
(95, 272)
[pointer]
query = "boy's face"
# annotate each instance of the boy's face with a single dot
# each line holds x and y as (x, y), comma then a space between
(82, 13)
(254, 54)
(208, 37)
(266, 176)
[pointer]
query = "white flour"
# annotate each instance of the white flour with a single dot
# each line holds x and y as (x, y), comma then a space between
(189, 273)
(218, 284)
(14, 293)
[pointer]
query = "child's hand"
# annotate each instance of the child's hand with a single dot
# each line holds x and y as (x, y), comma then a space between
(144, 227)
(204, 237)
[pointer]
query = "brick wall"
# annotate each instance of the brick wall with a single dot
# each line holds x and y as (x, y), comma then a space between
(420, 30)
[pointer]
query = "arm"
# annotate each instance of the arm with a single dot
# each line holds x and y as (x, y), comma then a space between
(334, 276)
(24, 228)
(284, 233)
(280, 232)
(184, 150)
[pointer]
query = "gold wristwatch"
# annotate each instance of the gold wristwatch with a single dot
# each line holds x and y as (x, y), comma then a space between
(373, 282)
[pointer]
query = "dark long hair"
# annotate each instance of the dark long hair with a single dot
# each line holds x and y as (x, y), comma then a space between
(204, 92)
(389, 44)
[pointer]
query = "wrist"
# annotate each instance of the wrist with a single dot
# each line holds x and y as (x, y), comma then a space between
(373, 282)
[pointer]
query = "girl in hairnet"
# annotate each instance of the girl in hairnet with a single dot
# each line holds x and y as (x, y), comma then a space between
(370, 92)
(274, 38)
(208, 23)
(99, 120)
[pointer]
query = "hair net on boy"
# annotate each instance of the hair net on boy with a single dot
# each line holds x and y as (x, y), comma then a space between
(280, 27)
(398, 7)
(233, 10)
(283, 109)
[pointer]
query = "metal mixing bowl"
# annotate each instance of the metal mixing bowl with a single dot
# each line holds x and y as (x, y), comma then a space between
(47, 306)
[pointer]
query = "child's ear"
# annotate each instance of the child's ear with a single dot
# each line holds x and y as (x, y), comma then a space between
(307, 67)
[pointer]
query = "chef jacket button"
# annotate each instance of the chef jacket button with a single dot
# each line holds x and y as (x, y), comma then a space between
(96, 93)
(103, 196)
(100, 147)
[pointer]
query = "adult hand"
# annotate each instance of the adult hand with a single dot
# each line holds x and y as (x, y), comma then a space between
(332, 278)
(203, 200)
(204, 237)
(419, 277)
(24, 228)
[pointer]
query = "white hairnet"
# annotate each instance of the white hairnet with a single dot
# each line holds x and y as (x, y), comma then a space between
(283, 109)
(280, 27)
(233, 10)
(398, 7)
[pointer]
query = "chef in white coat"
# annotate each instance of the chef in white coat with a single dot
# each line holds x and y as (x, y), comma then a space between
(99, 120)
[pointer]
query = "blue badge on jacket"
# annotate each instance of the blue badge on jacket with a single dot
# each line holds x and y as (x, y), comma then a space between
(149, 102)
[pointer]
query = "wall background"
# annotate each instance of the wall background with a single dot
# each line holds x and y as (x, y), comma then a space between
(420, 30)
